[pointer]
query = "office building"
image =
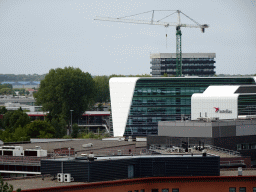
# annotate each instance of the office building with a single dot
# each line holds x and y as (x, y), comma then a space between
(193, 64)
(224, 102)
(137, 104)
(86, 169)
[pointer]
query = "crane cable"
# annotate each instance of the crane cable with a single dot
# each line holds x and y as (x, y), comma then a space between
(166, 37)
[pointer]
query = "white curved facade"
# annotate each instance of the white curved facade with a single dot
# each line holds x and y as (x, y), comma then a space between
(121, 93)
(216, 101)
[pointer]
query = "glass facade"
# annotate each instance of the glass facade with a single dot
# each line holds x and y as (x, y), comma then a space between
(167, 99)
(190, 66)
(247, 104)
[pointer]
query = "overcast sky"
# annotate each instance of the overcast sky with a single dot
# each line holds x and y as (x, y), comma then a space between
(38, 35)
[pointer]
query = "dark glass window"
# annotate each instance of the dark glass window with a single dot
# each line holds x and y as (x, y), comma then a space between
(175, 190)
(254, 189)
(165, 190)
(242, 189)
(232, 189)
(154, 190)
(142, 190)
(169, 99)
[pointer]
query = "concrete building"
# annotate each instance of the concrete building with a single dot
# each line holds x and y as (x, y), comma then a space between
(193, 64)
(224, 102)
(18, 99)
(210, 129)
(92, 169)
(223, 116)
(16, 106)
(23, 84)
(229, 181)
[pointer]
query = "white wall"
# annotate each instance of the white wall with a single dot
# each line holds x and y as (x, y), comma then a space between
(205, 105)
(121, 93)
(221, 97)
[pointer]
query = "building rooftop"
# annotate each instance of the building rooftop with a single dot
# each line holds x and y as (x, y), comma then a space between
(38, 183)
(77, 144)
(125, 157)
(184, 55)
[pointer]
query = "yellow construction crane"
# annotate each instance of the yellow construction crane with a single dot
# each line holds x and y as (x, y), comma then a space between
(178, 25)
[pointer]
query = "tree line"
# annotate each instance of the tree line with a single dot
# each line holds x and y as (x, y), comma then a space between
(17, 126)
(6, 89)
(62, 92)
(21, 77)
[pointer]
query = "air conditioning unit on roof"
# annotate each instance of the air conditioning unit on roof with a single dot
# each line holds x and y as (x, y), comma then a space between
(67, 177)
(60, 177)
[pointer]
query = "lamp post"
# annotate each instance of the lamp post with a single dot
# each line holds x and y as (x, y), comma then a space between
(69, 152)
(71, 121)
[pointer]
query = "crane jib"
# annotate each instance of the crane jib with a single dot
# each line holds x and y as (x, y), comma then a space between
(178, 25)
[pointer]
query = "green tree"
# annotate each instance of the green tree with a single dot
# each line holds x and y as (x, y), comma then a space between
(5, 187)
(20, 134)
(40, 129)
(14, 119)
(6, 91)
(142, 75)
(59, 126)
(6, 136)
(102, 89)
(66, 89)
(100, 107)
(75, 132)
(3, 110)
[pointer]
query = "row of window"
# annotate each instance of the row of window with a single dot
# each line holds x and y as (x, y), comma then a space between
(231, 189)
(186, 70)
(168, 90)
(156, 102)
(156, 190)
(246, 146)
(168, 111)
(141, 131)
(241, 189)
(183, 59)
(159, 66)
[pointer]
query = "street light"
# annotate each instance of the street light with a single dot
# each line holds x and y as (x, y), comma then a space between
(71, 121)
(69, 152)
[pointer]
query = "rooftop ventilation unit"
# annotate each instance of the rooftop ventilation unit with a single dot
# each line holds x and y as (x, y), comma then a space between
(67, 177)
(60, 177)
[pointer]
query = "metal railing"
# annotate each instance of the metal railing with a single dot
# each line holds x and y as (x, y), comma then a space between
(232, 162)
(223, 150)
(211, 147)
(19, 162)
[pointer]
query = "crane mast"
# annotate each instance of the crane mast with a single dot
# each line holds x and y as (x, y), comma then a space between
(178, 25)
(178, 53)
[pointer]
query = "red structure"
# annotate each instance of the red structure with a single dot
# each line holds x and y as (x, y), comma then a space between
(165, 184)
(64, 151)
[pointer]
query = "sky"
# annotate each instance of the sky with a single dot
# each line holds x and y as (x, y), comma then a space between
(39, 35)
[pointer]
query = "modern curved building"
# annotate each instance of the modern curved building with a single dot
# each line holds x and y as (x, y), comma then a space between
(224, 102)
(137, 104)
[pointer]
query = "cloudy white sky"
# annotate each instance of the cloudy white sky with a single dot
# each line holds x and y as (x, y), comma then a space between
(38, 35)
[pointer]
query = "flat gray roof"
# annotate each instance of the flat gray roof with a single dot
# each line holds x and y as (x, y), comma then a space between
(125, 157)
(184, 55)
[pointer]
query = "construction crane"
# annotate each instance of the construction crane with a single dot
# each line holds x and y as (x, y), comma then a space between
(178, 25)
